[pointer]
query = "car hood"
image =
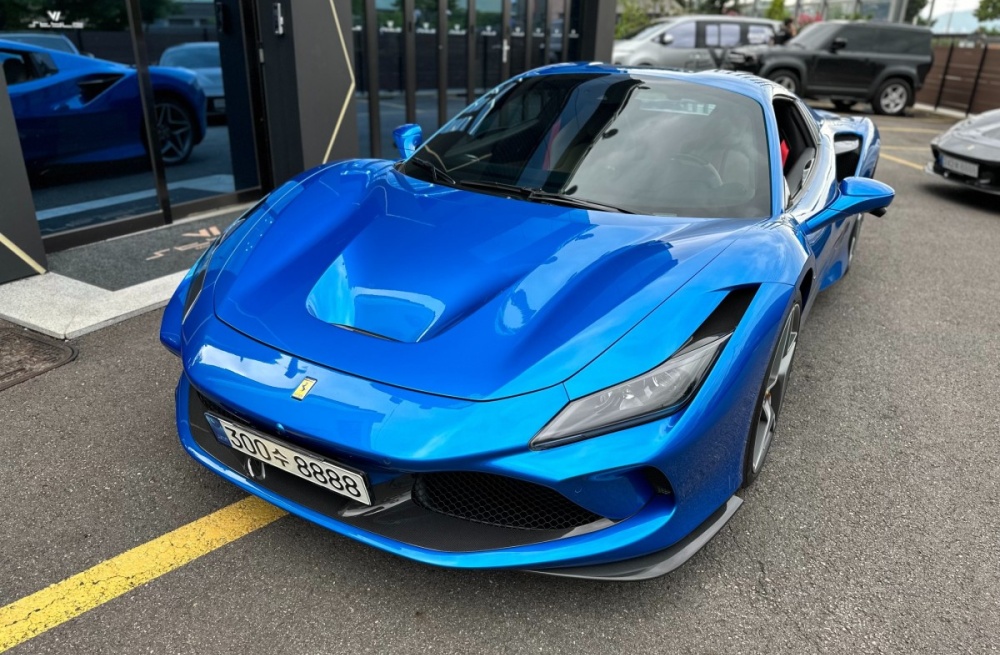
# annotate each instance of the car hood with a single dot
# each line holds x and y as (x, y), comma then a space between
(976, 138)
(373, 273)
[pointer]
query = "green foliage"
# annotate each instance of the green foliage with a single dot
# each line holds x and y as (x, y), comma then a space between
(776, 10)
(632, 20)
(913, 8)
(988, 10)
(95, 14)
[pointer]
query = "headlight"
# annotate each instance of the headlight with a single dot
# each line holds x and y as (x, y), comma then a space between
(655, 394)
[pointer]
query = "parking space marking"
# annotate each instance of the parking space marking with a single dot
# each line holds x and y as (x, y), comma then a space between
(43, 610)
(902, 161)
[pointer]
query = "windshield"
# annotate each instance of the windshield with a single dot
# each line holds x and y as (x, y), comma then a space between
(648, 146)
(645, 32)
(815, 36)
(200, 57)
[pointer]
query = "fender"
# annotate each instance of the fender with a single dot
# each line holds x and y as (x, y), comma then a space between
(793, 64)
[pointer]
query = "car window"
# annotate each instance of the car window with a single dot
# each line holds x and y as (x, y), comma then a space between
(645, 145)
(646, 32)
(759, 34)
(815, 36)
(722, 35)
(684, 35)
(859, 38)
(909, 42)
(192, 58)
(17, 68)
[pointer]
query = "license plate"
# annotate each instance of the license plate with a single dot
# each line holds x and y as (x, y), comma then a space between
(960, 166)
(321, 472)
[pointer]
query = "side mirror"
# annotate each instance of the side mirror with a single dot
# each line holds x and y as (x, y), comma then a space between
(856, 195)
(666, 38)
(838, 43)
(407, 139)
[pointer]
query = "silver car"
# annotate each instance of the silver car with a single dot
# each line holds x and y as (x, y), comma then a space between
(204, 60)
(692, 42)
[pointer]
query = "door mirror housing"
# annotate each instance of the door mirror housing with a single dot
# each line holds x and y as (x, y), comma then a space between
(855, 195)
(666, 38)
(838, 43)
(407, 139)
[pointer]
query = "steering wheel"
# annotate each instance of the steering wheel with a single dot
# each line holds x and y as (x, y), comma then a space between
(714, 180)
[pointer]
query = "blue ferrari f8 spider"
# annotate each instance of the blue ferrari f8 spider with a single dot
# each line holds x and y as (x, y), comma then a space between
(556, 336)
(72, 109)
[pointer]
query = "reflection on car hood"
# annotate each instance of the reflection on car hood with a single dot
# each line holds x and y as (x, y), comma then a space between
(976, 138)
(451, 292)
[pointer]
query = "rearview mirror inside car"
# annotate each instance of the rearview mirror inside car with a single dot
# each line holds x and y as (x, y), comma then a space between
(407, 139)
(856, 195)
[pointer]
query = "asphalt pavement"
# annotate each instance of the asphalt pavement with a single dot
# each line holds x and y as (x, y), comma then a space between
(872, 529)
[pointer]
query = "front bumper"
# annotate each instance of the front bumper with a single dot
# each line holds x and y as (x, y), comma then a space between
(987, 182)
(394, 435)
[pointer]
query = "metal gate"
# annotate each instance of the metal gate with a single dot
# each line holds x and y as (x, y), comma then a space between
(421, 62)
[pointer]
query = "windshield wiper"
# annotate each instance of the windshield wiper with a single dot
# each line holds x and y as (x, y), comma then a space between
(438, 174)
(541, 195)
(572, 201)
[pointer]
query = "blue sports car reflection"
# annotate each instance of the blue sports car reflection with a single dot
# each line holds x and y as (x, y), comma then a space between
(72, 109)
(556, 336)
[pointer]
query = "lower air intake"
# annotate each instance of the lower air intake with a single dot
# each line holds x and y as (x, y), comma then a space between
(498, 500)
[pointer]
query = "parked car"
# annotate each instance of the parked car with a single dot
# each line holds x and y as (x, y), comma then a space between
(691, 42)
(523, 346)
(969, 153)
(203, 59)
(71, 109)
(59, 42)
(849, 62)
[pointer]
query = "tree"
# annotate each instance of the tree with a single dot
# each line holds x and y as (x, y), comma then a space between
(913, 8)
(776, 10)
(988, 10)
(633, 19)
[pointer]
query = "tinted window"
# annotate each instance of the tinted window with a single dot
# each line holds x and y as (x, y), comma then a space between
(683, 34)
(758, 34)
(859, 38)
(815, 36)
(650, 146)
(16, 68)
(646, 32)
(909, 42)
(199, 57)
(722, 35)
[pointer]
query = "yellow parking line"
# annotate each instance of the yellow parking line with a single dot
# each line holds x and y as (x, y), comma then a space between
(899, 160)
(58, 603)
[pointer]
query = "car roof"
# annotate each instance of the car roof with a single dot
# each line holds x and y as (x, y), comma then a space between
(20, 45)
(718, 18)
(761, 90)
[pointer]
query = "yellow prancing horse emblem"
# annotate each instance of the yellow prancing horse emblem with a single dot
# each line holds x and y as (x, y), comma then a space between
(303, 389)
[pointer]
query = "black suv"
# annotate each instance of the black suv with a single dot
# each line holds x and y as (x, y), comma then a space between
(849, 62)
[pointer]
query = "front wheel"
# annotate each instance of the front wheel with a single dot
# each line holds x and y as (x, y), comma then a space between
(785, 78)
(772, 394)
(175, 130)
(892, 97)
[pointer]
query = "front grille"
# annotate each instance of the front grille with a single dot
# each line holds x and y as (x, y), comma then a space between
(498, 500)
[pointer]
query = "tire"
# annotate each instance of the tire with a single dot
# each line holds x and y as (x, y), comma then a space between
(893, 97)
(175, 127)
(772, 393)
(843, 105)
(786, 78)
